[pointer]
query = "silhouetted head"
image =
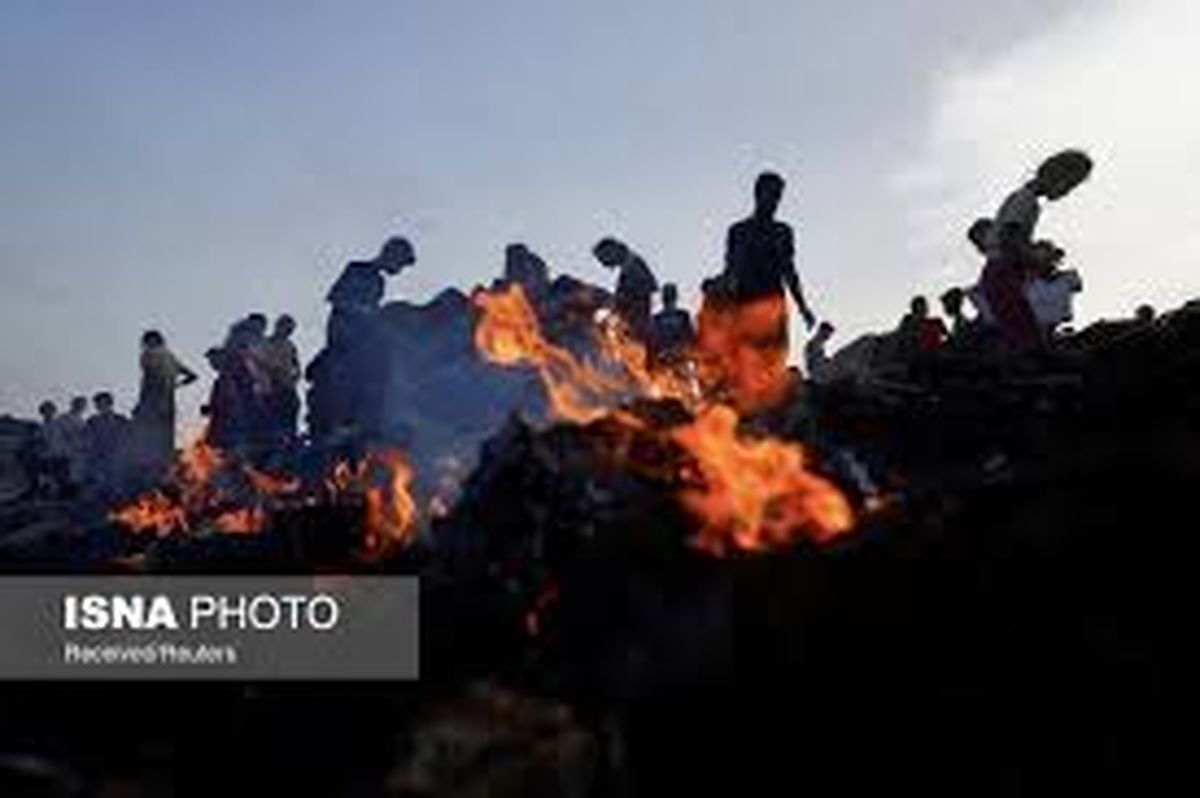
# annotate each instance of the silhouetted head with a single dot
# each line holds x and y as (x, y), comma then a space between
(1145, 314)
(979, 233)
(919, 307)
(102, 402)
(1046, 257)
(952, 302)
(256, 325)
(514, 259)
(1010, 239)
(524, 266)
(285, 325)
(79, 405)
(153, 339)
(216, 358)
(396, 254)
(1061, 173)
(768, 191)
(825, 331)
(670, 296)
(47, 410)
(611, 252)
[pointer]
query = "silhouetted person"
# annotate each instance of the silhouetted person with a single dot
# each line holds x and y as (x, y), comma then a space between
(227, 410)
(1005, 303)
(760, 251)
(980, 235)
(965, 333)
(74, 425)
(816, 358)
(953, 306)
(1145, 315)
(674, 334)
(356, 295)
(526, 268)
(154, 415)
(52, 454)
(1018, 216)
(1051, 289)
(282, 364)
(107, 433)
(742, 328)
(919, 332)
(636, 284)
(348, 377)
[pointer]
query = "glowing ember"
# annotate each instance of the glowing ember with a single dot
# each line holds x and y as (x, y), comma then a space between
(755, 493)
(201, 477)
(391, 510)
(270, 484)
(152, 511)
(242, 521)
(199, 463)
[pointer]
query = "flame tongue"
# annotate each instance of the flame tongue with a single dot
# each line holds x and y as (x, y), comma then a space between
(747, 493)
(391, 511)
(755, 494)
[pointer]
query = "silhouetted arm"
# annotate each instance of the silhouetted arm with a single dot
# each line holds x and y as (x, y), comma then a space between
(186, 375)
(792, 280)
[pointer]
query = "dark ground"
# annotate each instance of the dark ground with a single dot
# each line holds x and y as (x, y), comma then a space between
(1020, 617)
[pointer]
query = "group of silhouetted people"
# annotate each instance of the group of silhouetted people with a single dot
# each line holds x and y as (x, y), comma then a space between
(254, 404)
(74, 452)
(736, 345)
(1023, 297)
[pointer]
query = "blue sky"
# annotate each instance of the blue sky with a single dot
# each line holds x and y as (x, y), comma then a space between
(177, 165)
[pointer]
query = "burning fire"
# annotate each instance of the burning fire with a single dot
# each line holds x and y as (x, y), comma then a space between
(216, 494)
(755, 493)
(391, 510)
(742, 352)
(509, 334)
(747, 493)
(152, 511)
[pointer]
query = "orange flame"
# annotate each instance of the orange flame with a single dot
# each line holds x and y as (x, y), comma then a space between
(270, 484)
(742, 350)
(752, 494)
(242, 521)
(756, 494)
(508, 334)
(152, 511)
(391, 510)
(199, 463)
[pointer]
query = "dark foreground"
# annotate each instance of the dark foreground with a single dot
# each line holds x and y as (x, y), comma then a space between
(1024, 605)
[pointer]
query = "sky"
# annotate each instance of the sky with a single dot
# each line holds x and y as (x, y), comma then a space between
(178, 165)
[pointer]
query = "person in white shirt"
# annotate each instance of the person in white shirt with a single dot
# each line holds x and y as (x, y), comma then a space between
(1051, 290)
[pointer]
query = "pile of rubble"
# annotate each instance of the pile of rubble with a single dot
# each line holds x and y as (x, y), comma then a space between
(1016, 595)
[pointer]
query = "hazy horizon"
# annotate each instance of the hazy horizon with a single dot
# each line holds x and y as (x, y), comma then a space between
(178, 167)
